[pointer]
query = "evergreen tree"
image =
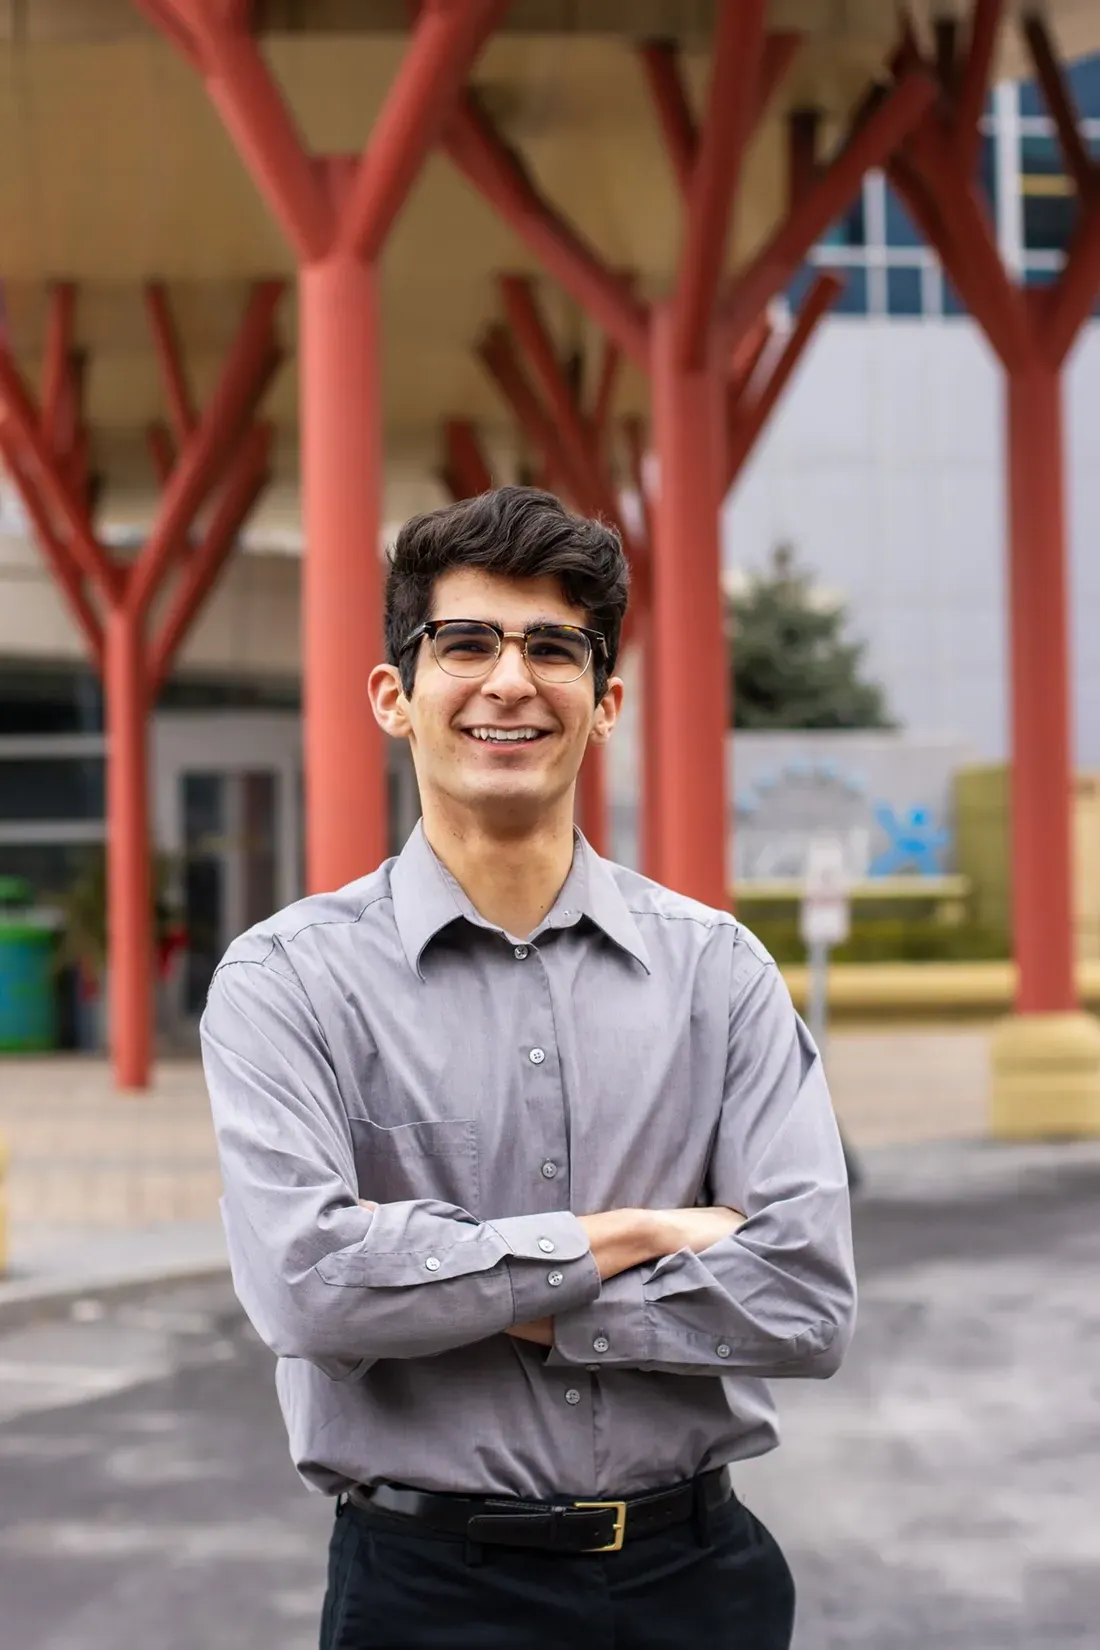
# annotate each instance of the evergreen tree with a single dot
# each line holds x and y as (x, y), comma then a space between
(792, 667)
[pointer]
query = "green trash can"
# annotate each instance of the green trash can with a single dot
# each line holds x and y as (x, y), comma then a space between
(28, 997)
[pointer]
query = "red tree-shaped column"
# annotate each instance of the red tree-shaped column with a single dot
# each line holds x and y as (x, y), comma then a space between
(336, 213)
(220, 458)
(684, 343)
(1046, 1062)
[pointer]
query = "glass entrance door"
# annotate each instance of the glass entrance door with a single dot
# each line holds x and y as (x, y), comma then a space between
(230, 866)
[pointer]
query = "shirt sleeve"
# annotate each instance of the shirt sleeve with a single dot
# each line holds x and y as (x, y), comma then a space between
(777, 1297)
(320, 1277)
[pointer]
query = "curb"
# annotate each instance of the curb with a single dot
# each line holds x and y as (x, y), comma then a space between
(34, 1302)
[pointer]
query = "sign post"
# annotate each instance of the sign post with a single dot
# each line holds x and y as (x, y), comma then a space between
(824, 921)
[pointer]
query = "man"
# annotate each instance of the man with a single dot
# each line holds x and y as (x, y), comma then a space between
(531, 1174)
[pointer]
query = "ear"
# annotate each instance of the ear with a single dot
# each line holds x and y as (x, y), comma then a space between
(607, 713)
(388, 701)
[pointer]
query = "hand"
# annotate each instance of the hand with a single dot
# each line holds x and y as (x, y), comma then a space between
(365, 1203)
(695, 1229)
(621, 1238)
(541, 1331)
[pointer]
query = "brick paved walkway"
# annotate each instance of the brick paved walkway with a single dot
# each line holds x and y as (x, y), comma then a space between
(83, 1154)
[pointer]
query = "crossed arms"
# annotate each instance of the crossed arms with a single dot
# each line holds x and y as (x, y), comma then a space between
(688, 1291)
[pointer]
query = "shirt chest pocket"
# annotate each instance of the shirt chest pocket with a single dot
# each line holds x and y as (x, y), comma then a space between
(418, 1160)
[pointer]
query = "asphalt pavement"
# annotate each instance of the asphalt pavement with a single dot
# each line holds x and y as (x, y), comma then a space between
(941, 1490)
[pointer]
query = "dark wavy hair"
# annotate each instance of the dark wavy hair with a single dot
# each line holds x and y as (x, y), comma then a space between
(517, 533)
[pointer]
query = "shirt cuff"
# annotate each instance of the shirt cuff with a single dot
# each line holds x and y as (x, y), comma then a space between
(550, 1265)
(612, 1330)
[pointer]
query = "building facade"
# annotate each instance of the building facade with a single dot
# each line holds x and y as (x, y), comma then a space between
(882, 471)
(883, 468)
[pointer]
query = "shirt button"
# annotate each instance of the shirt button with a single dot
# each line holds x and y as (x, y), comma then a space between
(549, 1170)
(572, 1396)
(600, 1344)
(555, 1278)
(520, 952)
(432, 1264)
(537, 1056)
(723, 1349)
(546, 1246)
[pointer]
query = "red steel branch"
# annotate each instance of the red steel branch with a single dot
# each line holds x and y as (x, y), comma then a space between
(495, 170)
(465, 466)
(94, 583)
(870, 145)
(750, 410)
(716, 169)
(553, 421)
(588, 483)
(217, 40)
(181, 413)
(602, 402)
(1023, 327)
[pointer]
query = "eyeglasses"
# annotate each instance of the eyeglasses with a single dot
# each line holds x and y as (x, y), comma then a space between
(471, 647)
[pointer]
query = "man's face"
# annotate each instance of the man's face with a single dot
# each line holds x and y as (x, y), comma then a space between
(511, 784)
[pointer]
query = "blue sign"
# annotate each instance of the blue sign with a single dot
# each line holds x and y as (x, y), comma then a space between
(916, 843)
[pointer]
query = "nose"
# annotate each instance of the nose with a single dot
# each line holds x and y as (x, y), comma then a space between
(510, 681)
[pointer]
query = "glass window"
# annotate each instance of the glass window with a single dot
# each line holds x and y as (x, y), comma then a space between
(49, 867)
(900, 228)
(987, 174)
(1031, 99)
(1084, 80)
(903, 291)
(204, 891)
(952, 303)
(51, 788)
(49, 701)
(801, 284)
(852, 297)
(1050, 204)
(1039, 274)
(229, 693)
(1084, 87)
(850, 230)
(260, 845)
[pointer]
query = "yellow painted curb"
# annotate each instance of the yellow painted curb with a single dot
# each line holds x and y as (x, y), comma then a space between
(920, 989)
(1045, 1077)
(3, 1207)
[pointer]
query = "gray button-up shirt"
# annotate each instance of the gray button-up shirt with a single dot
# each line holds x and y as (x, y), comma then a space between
(638, 1050)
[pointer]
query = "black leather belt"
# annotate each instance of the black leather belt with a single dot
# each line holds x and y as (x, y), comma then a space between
(556, 1526)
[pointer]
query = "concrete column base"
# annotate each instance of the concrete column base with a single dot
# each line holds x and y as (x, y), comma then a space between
(1045, 1077)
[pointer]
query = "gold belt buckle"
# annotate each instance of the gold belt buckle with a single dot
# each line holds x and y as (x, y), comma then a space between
(619, 1509)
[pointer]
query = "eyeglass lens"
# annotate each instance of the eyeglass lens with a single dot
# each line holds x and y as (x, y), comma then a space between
(555, 653)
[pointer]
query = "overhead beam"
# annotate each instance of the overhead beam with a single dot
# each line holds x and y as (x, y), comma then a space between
(476, 148)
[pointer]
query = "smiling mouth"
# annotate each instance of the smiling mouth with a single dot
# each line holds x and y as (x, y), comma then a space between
(505, 738)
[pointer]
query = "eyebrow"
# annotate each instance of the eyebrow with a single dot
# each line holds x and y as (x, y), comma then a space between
(530, 625)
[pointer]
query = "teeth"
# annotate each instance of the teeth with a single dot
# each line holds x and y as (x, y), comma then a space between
(509, 736)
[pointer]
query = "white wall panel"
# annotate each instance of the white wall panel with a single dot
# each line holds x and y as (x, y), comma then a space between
(883, 469)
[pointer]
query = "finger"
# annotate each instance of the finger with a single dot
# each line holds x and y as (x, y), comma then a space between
(365, 1203)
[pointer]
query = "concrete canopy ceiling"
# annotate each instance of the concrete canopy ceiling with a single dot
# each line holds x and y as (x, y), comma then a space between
(114, 170)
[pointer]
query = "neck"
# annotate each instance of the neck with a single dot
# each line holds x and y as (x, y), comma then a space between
(510, 876)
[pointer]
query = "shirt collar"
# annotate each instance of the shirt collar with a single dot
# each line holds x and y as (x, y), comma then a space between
(427, 899)
(591, 891)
